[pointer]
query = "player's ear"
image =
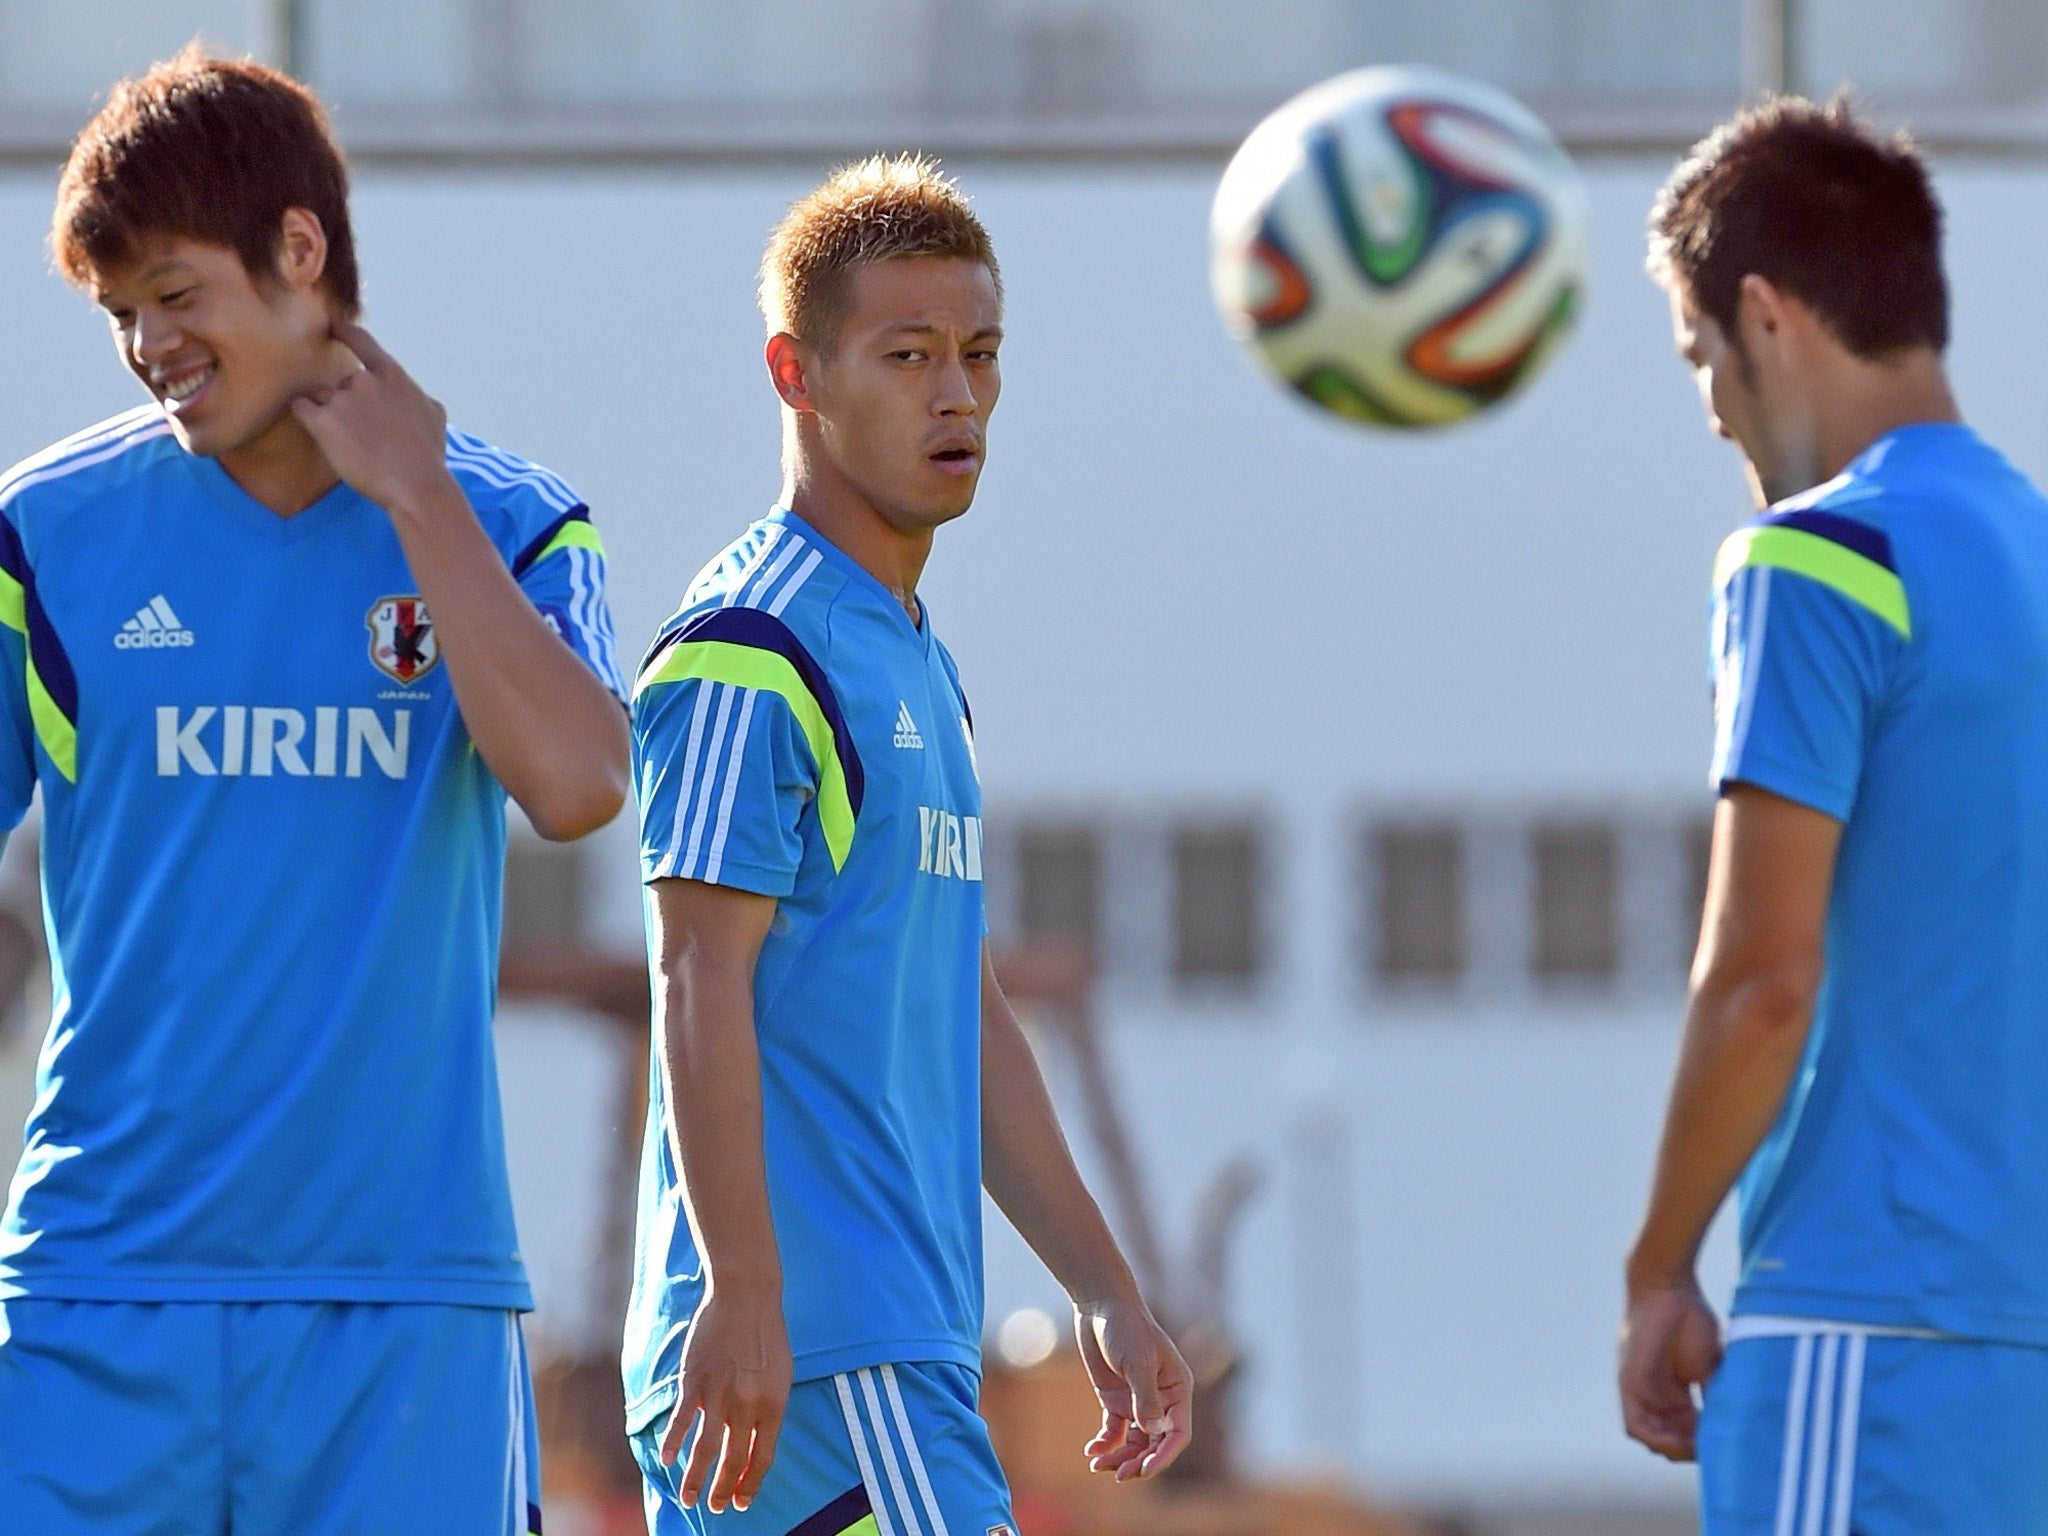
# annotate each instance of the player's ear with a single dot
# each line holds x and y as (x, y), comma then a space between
(301, 249)
(789, 370)
(1760, 310)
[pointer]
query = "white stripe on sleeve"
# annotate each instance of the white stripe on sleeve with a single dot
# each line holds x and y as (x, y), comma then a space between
(714, 760)
(802, 575)
(23, 478)
(754, 562)
(735, 767)
(509, 477)
(687, 779)
(752, 595)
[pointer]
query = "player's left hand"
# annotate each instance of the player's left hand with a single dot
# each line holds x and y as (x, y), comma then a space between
(1670, 1344)
(380, 431)
(1145, 1388)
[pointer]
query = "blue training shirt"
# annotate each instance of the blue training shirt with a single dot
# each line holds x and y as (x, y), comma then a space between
(271, 877)
(1882, 656)
(797, 735)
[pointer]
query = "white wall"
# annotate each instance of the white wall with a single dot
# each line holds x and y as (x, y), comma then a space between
(1181, 588)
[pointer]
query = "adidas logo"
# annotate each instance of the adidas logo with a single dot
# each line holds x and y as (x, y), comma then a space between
(906, 728)
(154, 628)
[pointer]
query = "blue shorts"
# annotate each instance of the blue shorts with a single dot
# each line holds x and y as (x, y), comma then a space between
(896, 1450)
(1840, 1431)
(265, 1418)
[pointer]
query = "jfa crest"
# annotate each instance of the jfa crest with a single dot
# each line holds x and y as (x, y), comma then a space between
(402, 642)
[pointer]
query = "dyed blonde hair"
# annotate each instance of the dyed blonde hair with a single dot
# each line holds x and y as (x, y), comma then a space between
(883, 208)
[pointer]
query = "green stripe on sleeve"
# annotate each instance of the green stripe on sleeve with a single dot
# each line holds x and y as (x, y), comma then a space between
(1860, 579)
(56, 732)
(746, 666)
(574, 534)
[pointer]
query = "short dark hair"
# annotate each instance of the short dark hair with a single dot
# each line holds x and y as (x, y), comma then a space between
(211, 149)
(1818, 203)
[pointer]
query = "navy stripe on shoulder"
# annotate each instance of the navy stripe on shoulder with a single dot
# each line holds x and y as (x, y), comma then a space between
(47, 652)
(13, 559)
(525, 558)
(44, 648)
(1852, 534)
(764, 631)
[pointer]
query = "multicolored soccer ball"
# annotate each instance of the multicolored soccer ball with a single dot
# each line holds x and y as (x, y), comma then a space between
(1401, 246)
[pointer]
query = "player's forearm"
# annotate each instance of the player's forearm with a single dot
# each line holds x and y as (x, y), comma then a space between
(1744, 1037)
(1029, 1170)
(547, 727)
(711, 1067)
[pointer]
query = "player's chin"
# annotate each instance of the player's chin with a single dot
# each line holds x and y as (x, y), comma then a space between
(221, 428)
(204, 438)
(946, 495)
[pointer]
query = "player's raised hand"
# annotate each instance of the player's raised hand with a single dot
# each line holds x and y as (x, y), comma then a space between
(733, 1391)
(1145, 1388)
(380, 431)
(1670, 1344)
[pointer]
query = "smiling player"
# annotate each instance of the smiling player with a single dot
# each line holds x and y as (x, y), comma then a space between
(274, 647)
(837, 1073)
(1866, 1046)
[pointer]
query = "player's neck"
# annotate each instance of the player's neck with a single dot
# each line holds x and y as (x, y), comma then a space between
(1867, 400)
(836, 508)
(282, 468)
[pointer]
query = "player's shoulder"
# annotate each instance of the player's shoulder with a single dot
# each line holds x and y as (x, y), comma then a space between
(86, 468)
(1838, 537)
(774, 569)
(771, 589)
(524, 506)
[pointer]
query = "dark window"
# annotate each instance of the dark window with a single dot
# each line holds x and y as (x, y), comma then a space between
(1059, 883)
(1577, 883)
(1216, 891)
(544, 894)
(1416, 873)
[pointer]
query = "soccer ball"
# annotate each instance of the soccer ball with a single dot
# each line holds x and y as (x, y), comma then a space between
(1401, 246)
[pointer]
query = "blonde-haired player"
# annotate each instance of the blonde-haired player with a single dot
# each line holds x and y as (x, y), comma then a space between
(837, 1074)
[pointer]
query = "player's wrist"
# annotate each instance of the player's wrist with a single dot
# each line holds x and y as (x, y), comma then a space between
(432, 497)
(1106, 1292)
(749, 1278)
(1652, 1266)
(754, 1281)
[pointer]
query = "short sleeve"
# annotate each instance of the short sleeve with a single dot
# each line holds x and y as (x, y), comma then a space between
(562, 573)
(1807, 633)
(724, 776)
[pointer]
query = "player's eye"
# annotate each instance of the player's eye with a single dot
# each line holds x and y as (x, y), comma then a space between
(178, 296)
(908, 355)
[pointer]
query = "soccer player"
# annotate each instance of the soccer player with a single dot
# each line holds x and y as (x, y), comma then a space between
(273, 648)
(1866, 1043)
(836, 1072)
